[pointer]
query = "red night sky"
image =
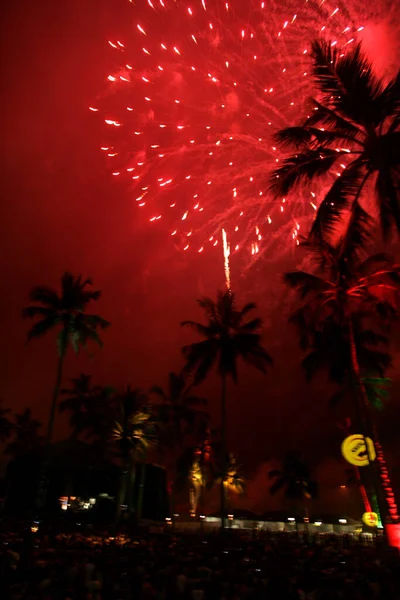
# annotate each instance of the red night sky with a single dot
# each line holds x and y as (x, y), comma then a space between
(62, 211)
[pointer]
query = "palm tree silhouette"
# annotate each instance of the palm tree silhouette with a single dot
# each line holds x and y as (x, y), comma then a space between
(294, 478)
(91, 408)
(346, 306)
(133, 434)
(228, 337)
(180, 411)
(65, 312)
(355, 123)
(26, 439)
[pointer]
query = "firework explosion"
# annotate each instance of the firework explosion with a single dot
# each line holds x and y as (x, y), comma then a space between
(199, 88)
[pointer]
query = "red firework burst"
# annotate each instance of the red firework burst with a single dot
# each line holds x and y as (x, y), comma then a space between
(198, 89)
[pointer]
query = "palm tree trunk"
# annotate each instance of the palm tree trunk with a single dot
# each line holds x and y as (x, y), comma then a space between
(42, 487)
(121, 497)
(362, 411)
(223, 450)
(56, 392)
(141, 491)
(131, 488)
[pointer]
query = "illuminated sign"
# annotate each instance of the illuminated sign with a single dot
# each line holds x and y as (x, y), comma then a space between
(370, 519)
(355, 452)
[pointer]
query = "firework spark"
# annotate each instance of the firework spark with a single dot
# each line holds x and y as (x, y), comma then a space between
(227, 252)
(198, 89)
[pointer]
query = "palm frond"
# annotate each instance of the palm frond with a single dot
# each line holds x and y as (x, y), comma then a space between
(344, 129)
(253, 325)
(374, 263)
(46, 296)
(198, 327)
(301, 167)
(348, 82)
(358, 236)
(377, 390)
(388, 195)
(246, 309)
(306, 283)
(30, 312)
(338, 199)
(42, 327)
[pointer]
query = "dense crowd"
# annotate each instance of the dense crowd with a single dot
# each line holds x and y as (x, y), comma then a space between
(171, 566)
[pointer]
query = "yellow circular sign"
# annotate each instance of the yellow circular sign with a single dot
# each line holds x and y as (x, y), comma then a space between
(355, 452)
(370, 519)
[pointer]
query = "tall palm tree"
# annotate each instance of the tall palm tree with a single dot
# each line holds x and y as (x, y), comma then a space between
(228, 337)
(25, 431)
(356, 123)
(66, 313)
(180, 414)
(294, 478)
(91, 408)
(346, 306)
(133, 434)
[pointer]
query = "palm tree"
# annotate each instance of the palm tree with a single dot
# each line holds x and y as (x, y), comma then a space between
(65, 312)
(133, 434)
(355, 123)
(294, 478)
(179, 413)
(26, 439)
(5, 423)
(91, 408)
(227, 337)
(346, 306)
(179, 410)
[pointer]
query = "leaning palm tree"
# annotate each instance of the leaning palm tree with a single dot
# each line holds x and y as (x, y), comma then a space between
(90, 407)
(133, 434)
(66, 313)
(228, 337)
(347, 303)
(356, 123)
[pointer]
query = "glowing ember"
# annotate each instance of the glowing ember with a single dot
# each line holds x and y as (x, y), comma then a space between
(193, 112)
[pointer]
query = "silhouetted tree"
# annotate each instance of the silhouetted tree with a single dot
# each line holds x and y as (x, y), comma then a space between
(228, 337)
(91, 408)
(65, 312)
(356, 122)
(346, 306)
(133, 434)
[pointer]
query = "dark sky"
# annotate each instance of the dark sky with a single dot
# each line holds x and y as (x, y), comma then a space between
(61, 211)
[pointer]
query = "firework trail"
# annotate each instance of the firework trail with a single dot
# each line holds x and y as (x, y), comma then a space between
(198, 89)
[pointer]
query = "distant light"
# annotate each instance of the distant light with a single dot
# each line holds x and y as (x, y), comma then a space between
(318, 523)
(343, 521)
(291, 519)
